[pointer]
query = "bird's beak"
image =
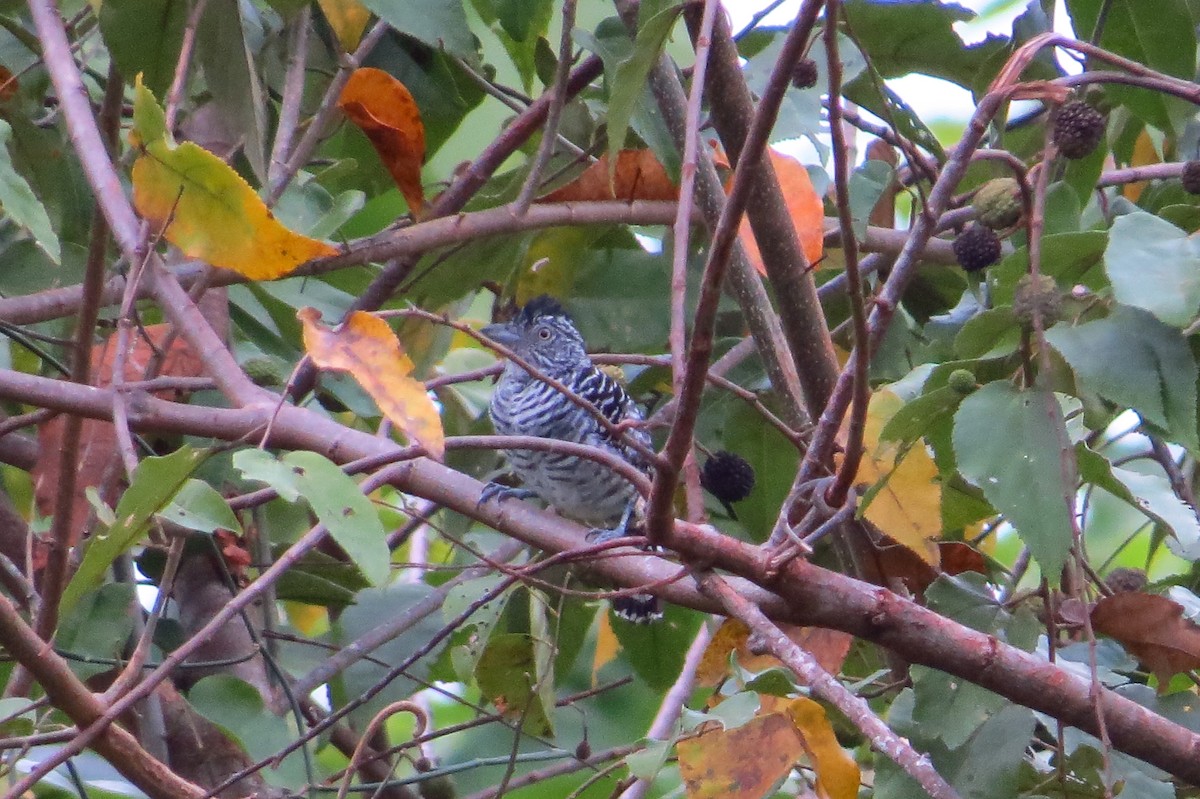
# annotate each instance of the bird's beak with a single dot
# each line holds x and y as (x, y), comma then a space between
(502, 334)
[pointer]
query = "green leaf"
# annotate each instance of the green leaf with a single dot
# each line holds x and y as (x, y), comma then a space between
(333, 496)
(97, 626)
(629, 79)
(441, 24)
(1132, 359)
(144, 37)
(993, 333)
(372, 606)
(149, 119)
(1161, 35)
(800, 112)
(154, 483)
(1149, 493)
(1066, 257)
(507, 673)
(198, 506)
(237, 708)
(1155, 266)
(915, 416)
(867, 185)
(1005, 443)
(520, 18)
(918, 36)
(656, 651)
(21, 204)
(231, 76)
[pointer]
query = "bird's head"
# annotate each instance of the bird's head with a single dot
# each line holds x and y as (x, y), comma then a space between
(542, 334)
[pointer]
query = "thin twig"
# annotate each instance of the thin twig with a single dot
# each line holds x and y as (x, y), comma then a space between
(558, 99)
(681, 247)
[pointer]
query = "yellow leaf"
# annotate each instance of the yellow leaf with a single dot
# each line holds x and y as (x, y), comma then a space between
(838, 776)
(714, 663)
(348, 18)
(366, 348)
(308, 619)
(607, 647)
(742, 763)
(905, 500)
(1144, 154)
(209, 212)
(386, 112)
(804, 206)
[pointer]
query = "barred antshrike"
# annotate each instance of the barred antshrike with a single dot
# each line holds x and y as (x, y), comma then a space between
(544, 336)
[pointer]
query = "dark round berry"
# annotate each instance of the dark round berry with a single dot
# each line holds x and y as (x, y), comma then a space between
(804, 74)
(1078, 128)
(583, 751)
(1191, 177)
(727, 476)
(977, 247)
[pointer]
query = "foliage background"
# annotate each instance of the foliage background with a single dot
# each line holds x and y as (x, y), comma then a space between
(221, 572)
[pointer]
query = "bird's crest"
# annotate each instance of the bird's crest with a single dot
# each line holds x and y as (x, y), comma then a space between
(543, 305)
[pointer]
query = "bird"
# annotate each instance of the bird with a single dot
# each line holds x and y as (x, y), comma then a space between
(543, 335)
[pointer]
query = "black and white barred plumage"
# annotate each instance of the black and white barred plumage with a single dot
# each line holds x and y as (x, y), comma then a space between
(544, 336)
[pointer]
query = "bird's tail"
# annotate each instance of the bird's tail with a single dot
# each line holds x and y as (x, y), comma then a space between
(638, 608)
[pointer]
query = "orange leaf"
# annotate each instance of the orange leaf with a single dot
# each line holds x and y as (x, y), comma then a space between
(804, 207)
(1153, 629)
(638, 176)
(385, 110)
(8, 85)
(743, 763)
(368, 349)
(838, 776)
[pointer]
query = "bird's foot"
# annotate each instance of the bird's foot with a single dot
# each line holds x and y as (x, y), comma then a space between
(602, 536)
(500, 493)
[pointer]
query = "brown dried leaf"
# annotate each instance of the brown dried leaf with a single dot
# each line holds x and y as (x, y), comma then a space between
(98, 439)
(387, 113)
(1154, 631)
(638, 176)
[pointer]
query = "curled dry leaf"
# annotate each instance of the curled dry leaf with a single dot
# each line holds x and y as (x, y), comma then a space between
(384, 109)
(205, 208)
(1152, 628)
(368, 349)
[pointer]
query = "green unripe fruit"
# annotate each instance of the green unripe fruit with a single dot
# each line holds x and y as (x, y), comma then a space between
(962, 381)
(1036, 297)
(998, 204)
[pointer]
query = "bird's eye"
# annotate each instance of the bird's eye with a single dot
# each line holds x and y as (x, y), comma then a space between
(543, 333)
